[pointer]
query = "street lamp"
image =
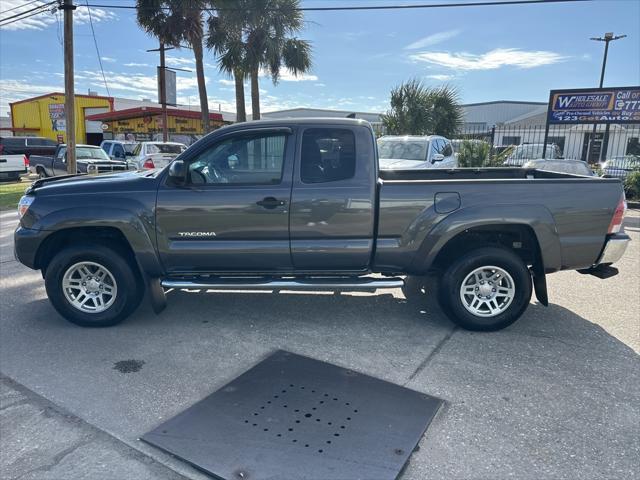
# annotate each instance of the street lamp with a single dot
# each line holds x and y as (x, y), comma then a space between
(608, 37)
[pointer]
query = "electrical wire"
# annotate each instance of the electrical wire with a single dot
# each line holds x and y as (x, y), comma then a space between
(23, 15)
(20, 6)
(382, 7)
(95, 42)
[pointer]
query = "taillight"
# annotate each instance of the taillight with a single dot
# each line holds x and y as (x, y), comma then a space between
(148, 164)
(25, 159)
(618, 216)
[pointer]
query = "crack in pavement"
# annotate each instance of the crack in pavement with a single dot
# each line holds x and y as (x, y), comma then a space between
(432, 354)
(59, 457)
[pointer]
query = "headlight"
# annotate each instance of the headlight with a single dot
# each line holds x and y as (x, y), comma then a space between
(24, 204)
(92, 169)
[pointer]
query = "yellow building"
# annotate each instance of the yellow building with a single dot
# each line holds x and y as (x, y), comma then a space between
(44, 116)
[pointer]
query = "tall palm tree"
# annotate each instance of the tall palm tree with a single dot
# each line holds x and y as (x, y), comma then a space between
(250, 36)
(175, 22)
(225, 39)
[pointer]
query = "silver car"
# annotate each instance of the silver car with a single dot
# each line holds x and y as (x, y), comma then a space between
(415, 152)
(622, 166)
(149, 155)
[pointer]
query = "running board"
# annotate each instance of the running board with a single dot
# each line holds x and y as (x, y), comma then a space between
(313, 283)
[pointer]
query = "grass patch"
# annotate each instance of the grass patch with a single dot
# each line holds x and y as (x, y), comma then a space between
(10, 194)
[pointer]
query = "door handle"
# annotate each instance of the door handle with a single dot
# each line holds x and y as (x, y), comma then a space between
(271, 202)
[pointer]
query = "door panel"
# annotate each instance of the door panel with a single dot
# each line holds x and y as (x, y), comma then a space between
(233, 214)
(332, 214)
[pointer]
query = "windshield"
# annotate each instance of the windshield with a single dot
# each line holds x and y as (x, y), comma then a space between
(86, 153)
(403, 149)
(129, 147)
(165, 148)
(528, 151)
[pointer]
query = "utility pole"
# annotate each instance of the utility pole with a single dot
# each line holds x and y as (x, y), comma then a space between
(608, 37)
(162, 86)
(69, 92)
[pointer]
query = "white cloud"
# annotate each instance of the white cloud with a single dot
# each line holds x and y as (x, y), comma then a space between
(441, 78)
(134, 64)
(491, 60)
(288, 76)
(319, 85)
(433, 39)
(12, 90)
(8, 8)
(179, 61)
(108, 59)
(228, 82)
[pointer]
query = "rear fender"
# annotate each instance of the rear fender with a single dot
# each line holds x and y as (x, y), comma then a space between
(537, 217)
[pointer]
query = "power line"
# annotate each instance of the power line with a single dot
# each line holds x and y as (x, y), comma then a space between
(95, 42)
(381, 7)
(20, 6)
(23, 15)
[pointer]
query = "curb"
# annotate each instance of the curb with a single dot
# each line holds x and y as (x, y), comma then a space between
(633, 203)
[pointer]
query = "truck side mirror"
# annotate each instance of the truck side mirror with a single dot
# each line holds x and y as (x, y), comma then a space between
(177, 171)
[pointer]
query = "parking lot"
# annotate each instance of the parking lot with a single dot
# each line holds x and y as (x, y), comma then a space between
(556, 395)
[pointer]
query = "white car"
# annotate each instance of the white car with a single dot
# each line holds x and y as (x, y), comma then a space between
(148, 155)
(12, 166)
(574, 167)
(532, 151)
(415, 152)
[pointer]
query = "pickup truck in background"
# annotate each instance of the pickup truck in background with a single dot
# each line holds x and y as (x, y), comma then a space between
(12, 166)
(299, 204)
(89, 159)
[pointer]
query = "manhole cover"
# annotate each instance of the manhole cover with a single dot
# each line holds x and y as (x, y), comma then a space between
(292, 417)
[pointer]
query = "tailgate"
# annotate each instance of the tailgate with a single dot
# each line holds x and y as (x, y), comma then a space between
(12, 163)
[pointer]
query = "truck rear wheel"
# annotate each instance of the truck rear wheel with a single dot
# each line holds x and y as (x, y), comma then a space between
(485, 290)
(92, 285)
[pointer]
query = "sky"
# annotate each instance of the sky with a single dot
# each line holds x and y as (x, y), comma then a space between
(487, 53)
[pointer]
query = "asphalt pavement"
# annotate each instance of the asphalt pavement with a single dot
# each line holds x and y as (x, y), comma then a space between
(556, 395)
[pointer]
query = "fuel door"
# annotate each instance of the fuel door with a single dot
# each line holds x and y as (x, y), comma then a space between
(446, 202)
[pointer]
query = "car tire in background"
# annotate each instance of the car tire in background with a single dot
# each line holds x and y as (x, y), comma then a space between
(92, 285)
(486, 289)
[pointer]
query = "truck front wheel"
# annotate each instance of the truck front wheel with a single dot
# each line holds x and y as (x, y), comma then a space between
(92, 285)
(485, 290)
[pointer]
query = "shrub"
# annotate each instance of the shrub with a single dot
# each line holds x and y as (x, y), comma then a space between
(473, 154)
(632, 185)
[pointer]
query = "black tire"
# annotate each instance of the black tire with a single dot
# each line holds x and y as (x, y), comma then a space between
(129, 291)
(41, 172)
(454, 276)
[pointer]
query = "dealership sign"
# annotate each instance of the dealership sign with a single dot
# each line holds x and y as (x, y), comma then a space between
(596, 105)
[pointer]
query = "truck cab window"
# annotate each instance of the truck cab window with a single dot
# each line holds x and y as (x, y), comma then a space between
(249, 160)
(327, 155)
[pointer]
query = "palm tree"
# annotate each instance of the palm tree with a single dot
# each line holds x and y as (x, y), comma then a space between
(250, 36)
(175, 22)
(419, 110)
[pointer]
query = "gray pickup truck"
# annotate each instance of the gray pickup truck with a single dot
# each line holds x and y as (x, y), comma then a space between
(300, 205)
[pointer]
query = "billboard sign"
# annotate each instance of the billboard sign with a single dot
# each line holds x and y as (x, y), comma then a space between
(57, 116)
(170, 86)
(594, 105)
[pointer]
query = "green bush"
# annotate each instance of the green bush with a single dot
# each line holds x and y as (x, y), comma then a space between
(632, 185)
(473, 154)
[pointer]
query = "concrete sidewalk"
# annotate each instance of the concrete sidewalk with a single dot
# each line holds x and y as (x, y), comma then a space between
(41, 441)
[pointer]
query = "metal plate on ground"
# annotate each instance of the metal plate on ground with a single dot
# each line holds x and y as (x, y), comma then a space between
(292, 417)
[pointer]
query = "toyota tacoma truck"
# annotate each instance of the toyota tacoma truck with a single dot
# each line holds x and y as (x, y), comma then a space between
(301, 205)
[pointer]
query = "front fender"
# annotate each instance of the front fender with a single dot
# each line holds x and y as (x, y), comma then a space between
(137, 227)
(538, 217)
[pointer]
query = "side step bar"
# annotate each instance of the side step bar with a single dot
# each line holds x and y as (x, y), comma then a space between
(310, 283)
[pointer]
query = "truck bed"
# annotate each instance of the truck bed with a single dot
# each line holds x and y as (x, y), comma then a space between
(568, 213)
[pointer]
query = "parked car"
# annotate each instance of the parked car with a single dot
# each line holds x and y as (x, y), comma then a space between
(27, 146)
(269, 206)
(89, 159)
(149, 155)
(415, 152)
(574, 167)
(12, 166)
(118, 150)
(621, 166)
(521, 154)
